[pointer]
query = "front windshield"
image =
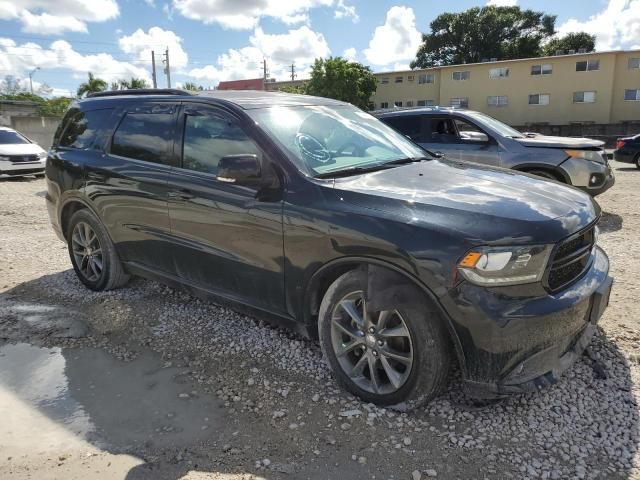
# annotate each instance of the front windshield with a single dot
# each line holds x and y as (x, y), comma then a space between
(8, 137)
(502, 128)
(323, 139)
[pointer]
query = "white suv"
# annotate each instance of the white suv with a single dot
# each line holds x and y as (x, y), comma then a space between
(19, 155)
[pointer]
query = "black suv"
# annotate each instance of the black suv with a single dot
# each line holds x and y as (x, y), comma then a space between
(316, 214)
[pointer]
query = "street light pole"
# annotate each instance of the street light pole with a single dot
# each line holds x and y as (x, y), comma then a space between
(31, 78)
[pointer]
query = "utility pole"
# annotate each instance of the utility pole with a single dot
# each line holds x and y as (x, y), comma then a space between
(153, 66)
(167, 68)
(265, 73)
(31, 78)
(293, 72)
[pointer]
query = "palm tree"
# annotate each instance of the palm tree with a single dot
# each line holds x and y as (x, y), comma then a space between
(137, 83)
(92, 85)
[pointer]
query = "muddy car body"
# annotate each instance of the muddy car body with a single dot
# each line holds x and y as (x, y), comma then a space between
(317, 215)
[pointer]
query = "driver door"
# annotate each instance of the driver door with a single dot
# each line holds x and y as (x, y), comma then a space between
(225, 239)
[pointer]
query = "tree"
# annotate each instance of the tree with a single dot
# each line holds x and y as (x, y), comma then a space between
(132, 84)
(336, 77)
(55, 107)
(192, 86)
(571, 41)
(92, 85)
(481, 33)
(300, 89)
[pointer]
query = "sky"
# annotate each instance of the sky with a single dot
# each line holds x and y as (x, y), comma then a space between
(214, 40)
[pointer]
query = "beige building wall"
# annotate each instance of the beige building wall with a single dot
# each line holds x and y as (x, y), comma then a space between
(608, 82)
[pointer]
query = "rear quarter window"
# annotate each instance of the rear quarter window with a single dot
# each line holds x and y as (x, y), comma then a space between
(82, 128)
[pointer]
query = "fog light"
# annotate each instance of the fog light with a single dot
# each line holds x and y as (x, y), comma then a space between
(594, 179)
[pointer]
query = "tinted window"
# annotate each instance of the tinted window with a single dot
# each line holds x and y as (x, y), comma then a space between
(443, 130)
(408, 125)
(144, 136)
(83, 128)
(9, 137)
(208, 138)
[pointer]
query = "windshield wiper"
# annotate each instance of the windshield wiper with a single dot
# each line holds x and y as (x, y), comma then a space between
(372, 168)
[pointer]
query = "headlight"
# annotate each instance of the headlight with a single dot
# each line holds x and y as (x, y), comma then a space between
(42, 155)
(591, 155)
(493, 266)
(6, 159)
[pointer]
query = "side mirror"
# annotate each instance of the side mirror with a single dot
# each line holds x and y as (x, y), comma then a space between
(242, 169)
(474, 137)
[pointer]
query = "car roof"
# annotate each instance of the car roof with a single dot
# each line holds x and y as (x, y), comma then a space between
(7, 129)
(245, 99)
(402, 111)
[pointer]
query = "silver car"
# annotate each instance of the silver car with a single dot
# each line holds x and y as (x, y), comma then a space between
(473, 136)
(19, 155)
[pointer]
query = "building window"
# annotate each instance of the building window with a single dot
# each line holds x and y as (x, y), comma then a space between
(634, 64)
(397, 104)
(584, 97)
(426, 103)
(587, 65)
(425, 78)
(384, 104)
(384, 80)
(497, 101)
(539, 99)
(544, 69)
(632, 95)
(498, 73)
(462, 102)
(409, 103)
(411, 78)
(399, 79)
(465, 75)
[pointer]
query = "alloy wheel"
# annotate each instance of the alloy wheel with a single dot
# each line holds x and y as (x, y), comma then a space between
(374, 349)
(87, 251)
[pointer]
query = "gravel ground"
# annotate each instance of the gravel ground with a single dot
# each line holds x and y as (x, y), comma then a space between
(278, 413)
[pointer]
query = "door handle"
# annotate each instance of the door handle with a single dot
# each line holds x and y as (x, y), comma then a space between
(180, 195)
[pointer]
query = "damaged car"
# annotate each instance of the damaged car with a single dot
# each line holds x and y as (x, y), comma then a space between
(316, 215)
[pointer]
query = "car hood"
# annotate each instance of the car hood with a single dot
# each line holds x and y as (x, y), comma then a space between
(21, 149)
(483, 202)
(559, 142)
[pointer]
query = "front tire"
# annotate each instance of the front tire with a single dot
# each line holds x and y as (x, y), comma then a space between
(399, 356)
(92, 253)
(637, 161)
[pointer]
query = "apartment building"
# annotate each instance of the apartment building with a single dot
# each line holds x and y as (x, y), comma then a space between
(586, 88)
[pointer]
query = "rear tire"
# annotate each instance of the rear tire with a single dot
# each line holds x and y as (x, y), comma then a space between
(637, 161)
(397, 357)
(93, 254)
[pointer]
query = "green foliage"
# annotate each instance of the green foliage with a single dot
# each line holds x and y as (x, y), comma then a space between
(192, 87)
(571, 41)
(55, 107)
(338, 78)
(483, 33)
(299, 89)
(92, 85)
(132, 84)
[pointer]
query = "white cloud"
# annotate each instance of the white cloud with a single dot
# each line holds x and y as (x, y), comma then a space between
(350, 54)
(301, 47)
(502, 3)
(396, 40)
(60, 55)
(140, 44)
(244, 15)
(617, 26)
(346, 11)
(59, 16)
(47, 24)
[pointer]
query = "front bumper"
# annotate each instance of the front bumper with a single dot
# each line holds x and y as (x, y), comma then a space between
(515, 340)
(21, 168)
(593, 178)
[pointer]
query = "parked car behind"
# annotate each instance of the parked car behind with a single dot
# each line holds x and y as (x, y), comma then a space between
(19, 155)
(628, 150)
(476, 137)
(319, 216)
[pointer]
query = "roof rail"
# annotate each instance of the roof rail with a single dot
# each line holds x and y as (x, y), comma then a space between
(139, 91)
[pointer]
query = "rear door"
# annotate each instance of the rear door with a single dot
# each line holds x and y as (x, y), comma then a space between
(128, 184)
(227, 239)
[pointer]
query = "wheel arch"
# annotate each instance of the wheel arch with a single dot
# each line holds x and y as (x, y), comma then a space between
(331, 271)
(70, 206)
(560, 174)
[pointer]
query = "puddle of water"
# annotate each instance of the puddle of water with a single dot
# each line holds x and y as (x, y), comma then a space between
(52, 398)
